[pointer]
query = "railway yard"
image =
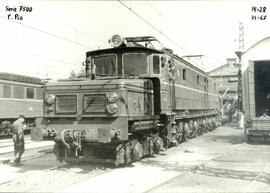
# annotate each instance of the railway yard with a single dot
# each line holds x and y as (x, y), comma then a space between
(218, 161)
(137, 113)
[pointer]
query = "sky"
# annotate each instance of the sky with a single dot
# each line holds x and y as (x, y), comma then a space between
(50, 38)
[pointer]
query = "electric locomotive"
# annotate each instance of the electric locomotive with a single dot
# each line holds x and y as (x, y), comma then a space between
(135, 100)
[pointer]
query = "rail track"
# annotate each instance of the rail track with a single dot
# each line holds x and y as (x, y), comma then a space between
(220, 156)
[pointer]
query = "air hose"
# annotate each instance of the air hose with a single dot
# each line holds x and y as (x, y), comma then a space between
(63, 138)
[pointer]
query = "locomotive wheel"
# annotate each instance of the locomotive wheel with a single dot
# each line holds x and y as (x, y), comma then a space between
(185, 132)
(137, 151)
(151, 146)
(196, 128)
(127, 150)
(158, 146)
(120, 155)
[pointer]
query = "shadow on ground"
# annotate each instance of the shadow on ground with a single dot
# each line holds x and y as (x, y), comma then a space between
(42, 163)
(236, 138)
(201, 169)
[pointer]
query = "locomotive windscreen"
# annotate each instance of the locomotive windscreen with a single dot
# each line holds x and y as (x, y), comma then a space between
(135, 63)
(105, 65)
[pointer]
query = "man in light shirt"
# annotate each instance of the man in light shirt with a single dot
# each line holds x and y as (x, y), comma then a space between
(18, 139)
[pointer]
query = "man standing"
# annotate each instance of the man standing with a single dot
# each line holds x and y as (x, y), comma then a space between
(18, 139)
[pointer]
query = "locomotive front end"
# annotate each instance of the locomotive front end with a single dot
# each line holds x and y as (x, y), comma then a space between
(90, 119)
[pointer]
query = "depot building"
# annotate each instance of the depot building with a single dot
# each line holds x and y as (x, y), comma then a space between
(255, 66)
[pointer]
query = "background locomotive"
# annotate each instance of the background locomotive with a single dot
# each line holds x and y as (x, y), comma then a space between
(134, 101)
(19, 95)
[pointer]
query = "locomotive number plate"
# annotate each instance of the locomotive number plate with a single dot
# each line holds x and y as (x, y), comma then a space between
(92, 133)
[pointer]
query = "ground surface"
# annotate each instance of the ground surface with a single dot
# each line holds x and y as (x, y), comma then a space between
(219, 161)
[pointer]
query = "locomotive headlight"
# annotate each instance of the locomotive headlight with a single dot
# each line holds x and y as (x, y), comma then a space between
(50, 99)
(116, 40)
(112, 108)
(112, 97)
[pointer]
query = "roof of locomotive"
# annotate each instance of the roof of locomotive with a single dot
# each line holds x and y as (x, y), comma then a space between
(122, 49)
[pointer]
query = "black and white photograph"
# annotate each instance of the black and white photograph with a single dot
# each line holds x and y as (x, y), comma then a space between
(125, 96)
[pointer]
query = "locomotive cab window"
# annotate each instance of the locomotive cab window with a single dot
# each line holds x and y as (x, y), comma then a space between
(135, 63)
(156, 66)
(105, 65)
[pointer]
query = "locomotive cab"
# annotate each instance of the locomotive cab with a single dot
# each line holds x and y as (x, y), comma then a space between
(128, 59)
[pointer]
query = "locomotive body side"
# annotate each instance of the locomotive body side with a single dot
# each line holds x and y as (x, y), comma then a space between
(189, 98)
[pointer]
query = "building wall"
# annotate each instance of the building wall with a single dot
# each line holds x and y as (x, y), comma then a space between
(227, 78)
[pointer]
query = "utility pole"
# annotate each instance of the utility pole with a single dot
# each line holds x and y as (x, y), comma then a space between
(239, 54)
(241, 37)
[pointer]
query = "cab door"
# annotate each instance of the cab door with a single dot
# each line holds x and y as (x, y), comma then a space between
(167, 90)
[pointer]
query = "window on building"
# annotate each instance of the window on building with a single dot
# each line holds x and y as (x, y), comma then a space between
(6, 91)
(30, 94)
(156, 69)
(184, 74)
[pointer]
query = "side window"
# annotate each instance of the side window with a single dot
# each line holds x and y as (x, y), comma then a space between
(184, 74)
(29, 93)
(18, 92)
(6, 91)
(205, 83)
(156, 68)
(39, 93)
(198, 79)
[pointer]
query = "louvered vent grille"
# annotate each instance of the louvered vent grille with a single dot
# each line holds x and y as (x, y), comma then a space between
(94, 103)
(66, 104)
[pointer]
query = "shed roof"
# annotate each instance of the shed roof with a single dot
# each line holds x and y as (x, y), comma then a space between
(256, 44)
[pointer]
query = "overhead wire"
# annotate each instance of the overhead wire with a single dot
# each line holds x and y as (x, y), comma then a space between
(41, 56)
(152, 26)
(74, 53)
(71, 27)
(67, 25)
(46, 32)
(175, 28)
(161, 15)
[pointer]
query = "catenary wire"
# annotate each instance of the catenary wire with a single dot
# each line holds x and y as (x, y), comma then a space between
(47, 33)
(68, 25)
(152, 26)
